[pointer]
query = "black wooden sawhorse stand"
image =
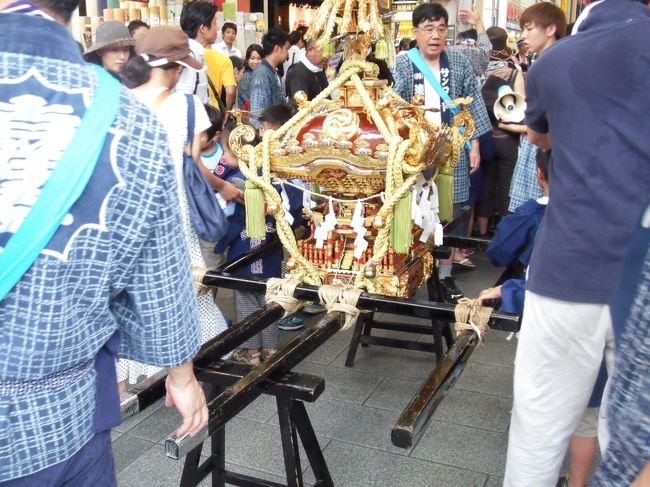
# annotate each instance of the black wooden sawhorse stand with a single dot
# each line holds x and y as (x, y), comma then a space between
(291, 391)
(438, 329)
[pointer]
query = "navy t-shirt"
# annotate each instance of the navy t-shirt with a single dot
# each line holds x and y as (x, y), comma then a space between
(591, 91)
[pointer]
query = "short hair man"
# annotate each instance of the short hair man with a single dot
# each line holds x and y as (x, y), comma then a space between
(600, 179)
(221, 77)
(274, 117)
(522, 58)
(297, 41)
(403, 46)
(451, 69)
(116, 270)
(266, 88)
(543, 24)
(307, 74)
(227, 45)
(199, 22)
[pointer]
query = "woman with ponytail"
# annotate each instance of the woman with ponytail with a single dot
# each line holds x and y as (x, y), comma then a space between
(161, 56)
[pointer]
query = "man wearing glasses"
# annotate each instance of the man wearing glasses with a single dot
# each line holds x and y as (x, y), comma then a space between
(436, 73)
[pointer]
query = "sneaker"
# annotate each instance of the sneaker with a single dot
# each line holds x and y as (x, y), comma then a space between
(313, 309)
(290, 324)
(450, 292)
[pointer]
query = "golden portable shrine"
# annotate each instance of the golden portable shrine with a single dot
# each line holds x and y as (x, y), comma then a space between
(358, 151)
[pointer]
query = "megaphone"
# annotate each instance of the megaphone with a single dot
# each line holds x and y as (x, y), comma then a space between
(510, 106)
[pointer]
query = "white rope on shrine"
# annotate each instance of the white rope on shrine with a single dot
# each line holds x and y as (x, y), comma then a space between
(198, 273)
(470, 315)
(280, 291)
(342, 299)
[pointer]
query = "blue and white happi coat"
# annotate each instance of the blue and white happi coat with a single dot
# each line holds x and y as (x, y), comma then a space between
(462, 83)
(118, 264)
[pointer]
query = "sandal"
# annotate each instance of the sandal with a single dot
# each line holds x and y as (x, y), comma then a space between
(467, 252)
(465, 263)
(250, 356)
(267, 352)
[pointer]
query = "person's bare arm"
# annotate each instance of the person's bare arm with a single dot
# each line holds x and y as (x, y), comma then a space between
(227, 190)
(516, 128)
(474, 157)
(231, 96)
(489, 294)
(472, 17)
(543, 141)
(231, 99)
(185, 394)
(520, 84)
(643, 478)
(196, 147)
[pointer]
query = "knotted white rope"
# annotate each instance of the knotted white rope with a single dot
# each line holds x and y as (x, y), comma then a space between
(198, 273)
(470, 315)
(343, 299)
(280, 291)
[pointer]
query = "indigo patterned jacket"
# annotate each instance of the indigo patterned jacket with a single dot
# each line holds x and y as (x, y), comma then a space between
(117, 264)
(244, 88)
(265, 89)
(462, 83)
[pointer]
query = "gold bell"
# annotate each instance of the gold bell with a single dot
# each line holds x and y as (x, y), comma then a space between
(370, 271)
(418, 100)
(272, 209)
(378, 222)
(301, 99)
(291, 264)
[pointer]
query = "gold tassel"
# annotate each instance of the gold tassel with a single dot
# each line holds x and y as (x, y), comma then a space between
(401, 227)
(255, 218)
(445, 184)
(381, 50)
(329, 50)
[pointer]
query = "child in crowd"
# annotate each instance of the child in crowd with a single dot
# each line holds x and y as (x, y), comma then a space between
(237, 243)
(212, 155)
(512, 243)
(211, 150)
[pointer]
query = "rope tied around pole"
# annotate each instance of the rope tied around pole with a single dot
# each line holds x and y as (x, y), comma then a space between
(280, 291)
(343, 299)
(470, 315)
(198, 273)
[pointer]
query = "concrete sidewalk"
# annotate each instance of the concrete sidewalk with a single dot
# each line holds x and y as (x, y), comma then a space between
(465, 444)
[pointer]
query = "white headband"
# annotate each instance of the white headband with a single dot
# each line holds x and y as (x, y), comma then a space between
(155, 63)
(163, 61)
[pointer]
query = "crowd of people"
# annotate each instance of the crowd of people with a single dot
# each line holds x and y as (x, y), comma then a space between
(103, 296)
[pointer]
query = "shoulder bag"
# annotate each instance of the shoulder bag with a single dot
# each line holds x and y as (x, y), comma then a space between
(206, 215)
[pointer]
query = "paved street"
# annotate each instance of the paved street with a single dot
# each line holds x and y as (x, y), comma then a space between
(465, 444)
